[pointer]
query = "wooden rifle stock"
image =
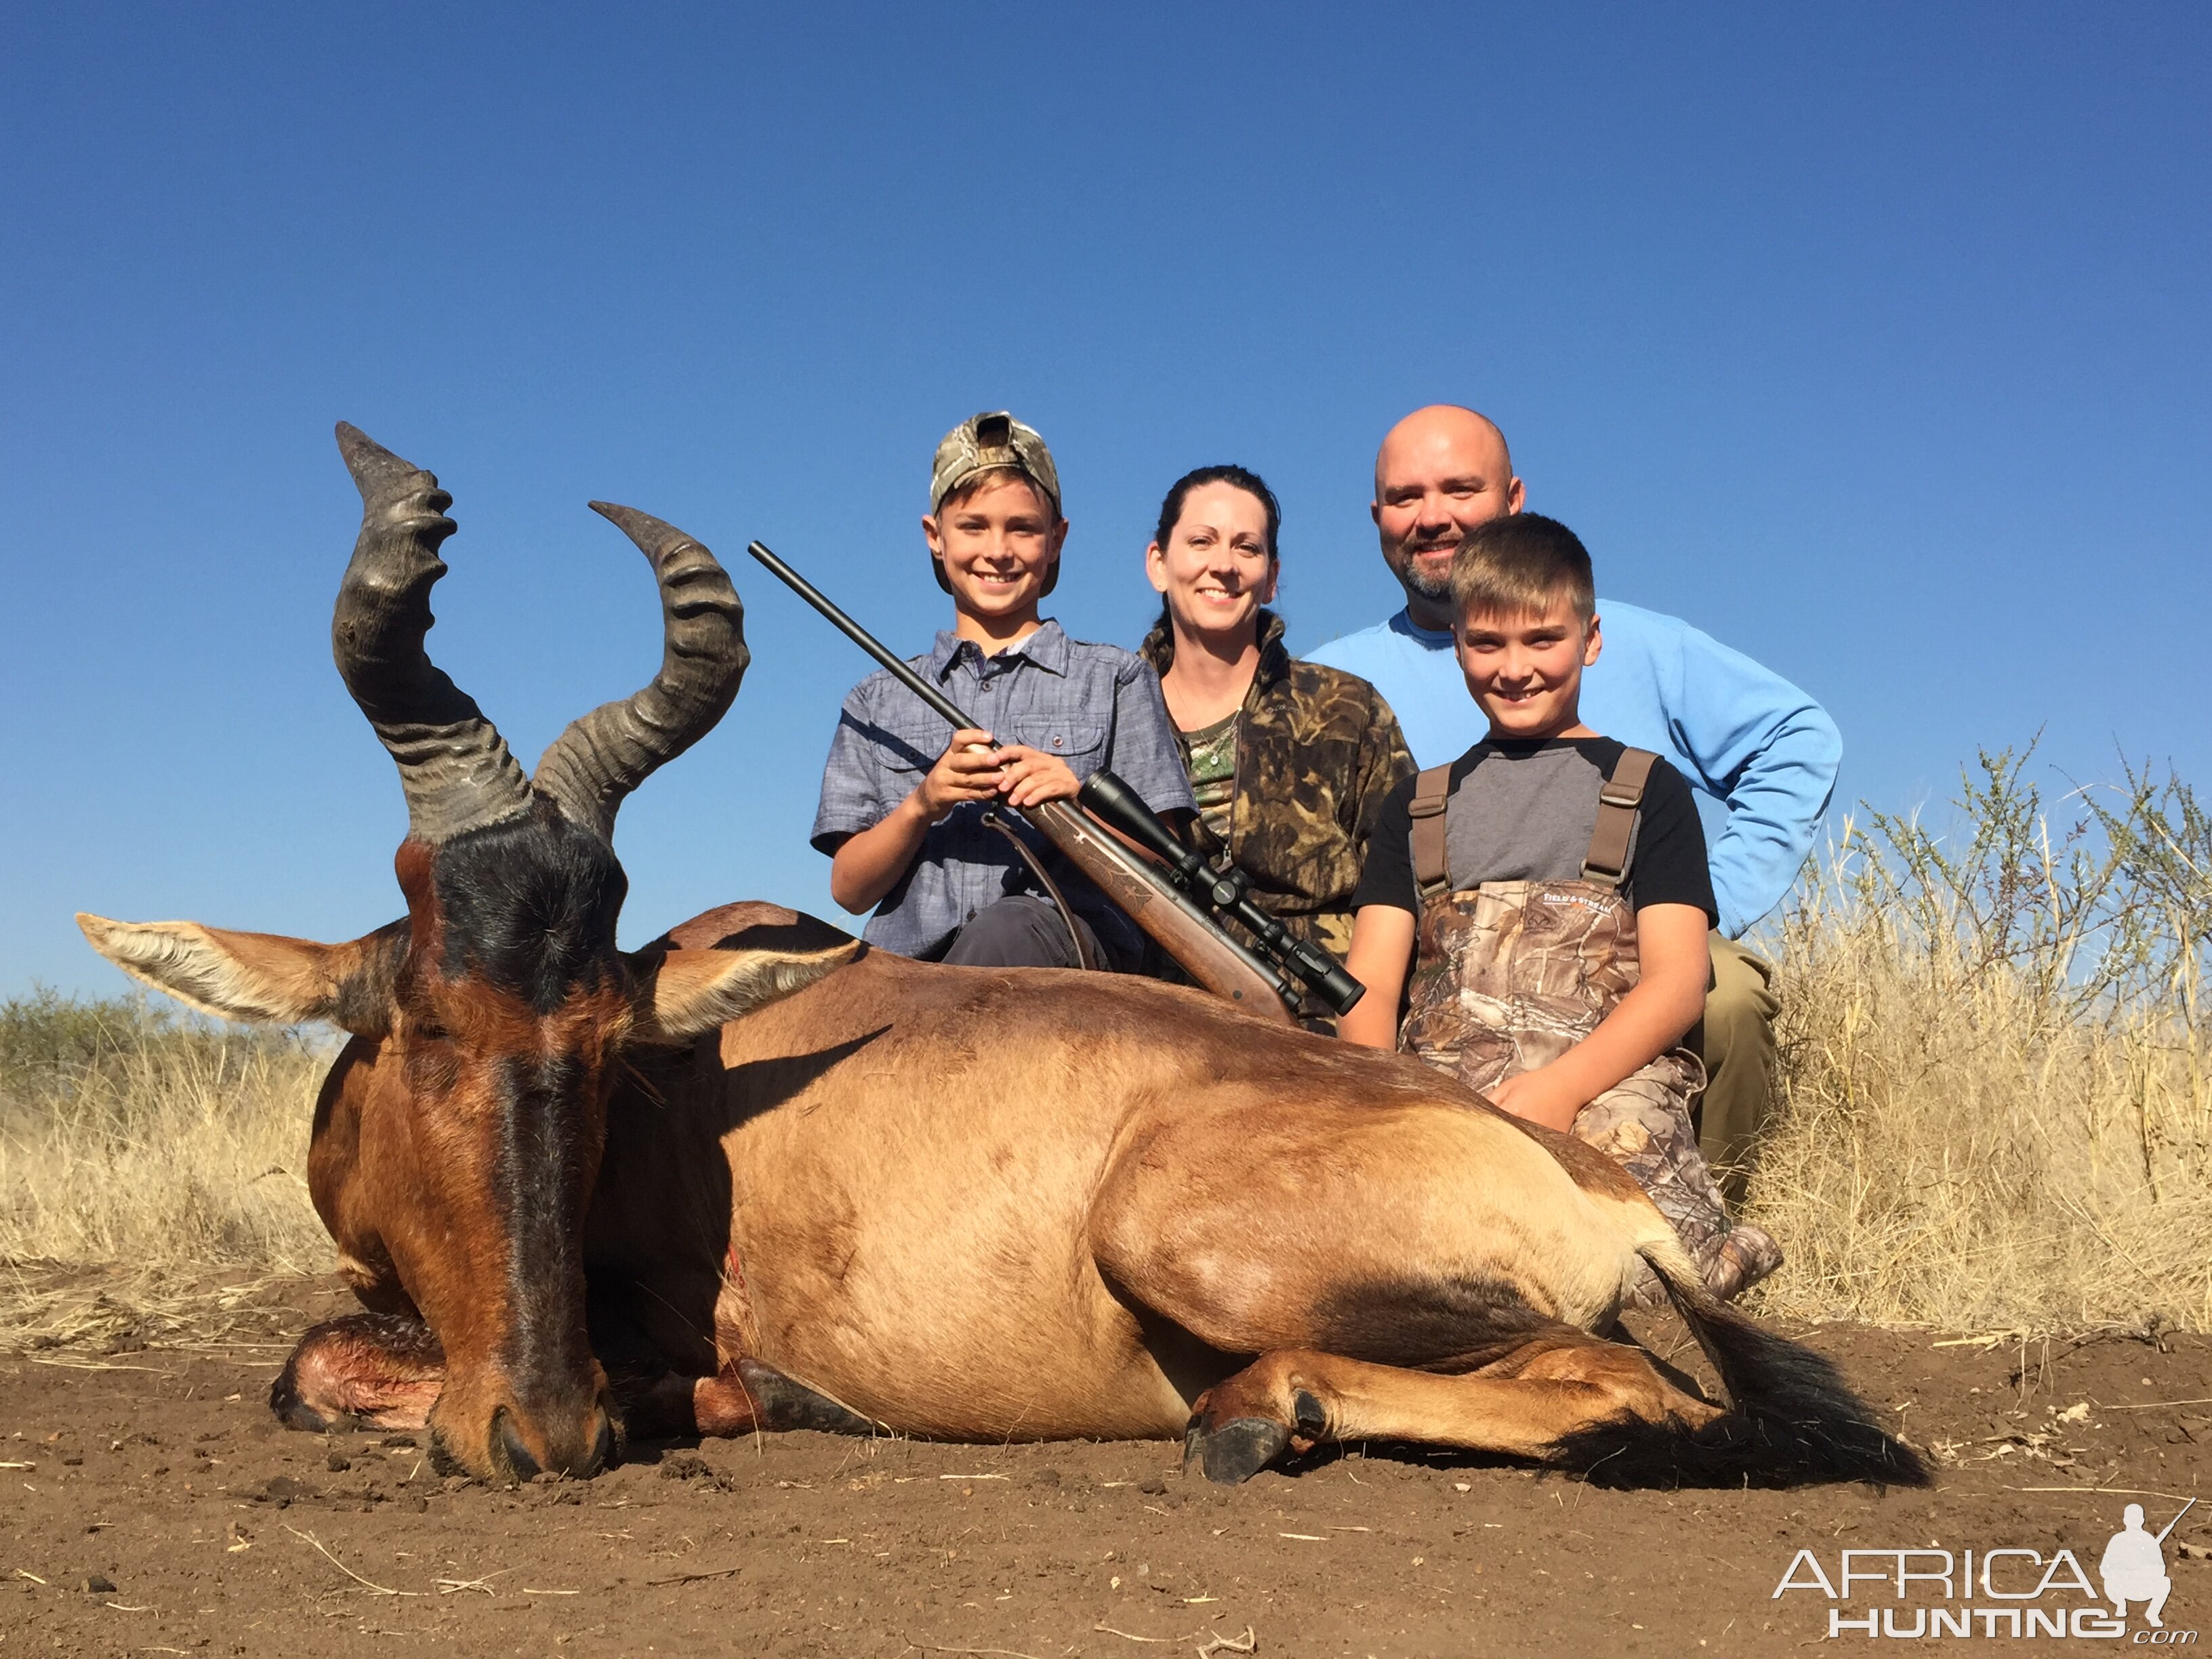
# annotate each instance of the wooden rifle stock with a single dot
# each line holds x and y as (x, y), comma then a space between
(1170, 920)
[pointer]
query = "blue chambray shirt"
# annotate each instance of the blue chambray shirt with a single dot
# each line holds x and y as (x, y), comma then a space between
(1096, 707)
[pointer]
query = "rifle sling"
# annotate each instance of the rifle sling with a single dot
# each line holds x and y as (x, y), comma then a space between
(1084, 956)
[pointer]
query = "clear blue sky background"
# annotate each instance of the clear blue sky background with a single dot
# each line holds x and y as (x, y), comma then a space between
(1876, 340)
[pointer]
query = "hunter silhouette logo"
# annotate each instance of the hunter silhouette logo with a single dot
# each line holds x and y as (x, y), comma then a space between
(2134, 1567)
(2006, 1591)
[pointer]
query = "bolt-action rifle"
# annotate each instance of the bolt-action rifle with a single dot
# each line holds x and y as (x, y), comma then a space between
(1267, 978)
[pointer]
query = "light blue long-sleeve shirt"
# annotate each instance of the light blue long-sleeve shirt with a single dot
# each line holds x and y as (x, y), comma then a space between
(1741, 735)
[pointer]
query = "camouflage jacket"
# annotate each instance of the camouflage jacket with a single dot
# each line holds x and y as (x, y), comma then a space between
(1318, 752)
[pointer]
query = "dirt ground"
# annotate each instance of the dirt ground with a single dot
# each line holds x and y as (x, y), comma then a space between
(148, 1504)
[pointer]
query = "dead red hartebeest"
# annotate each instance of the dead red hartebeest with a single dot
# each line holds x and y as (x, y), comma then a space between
(763, 1178)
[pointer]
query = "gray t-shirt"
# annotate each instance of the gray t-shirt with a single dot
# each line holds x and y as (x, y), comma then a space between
(1522, 810)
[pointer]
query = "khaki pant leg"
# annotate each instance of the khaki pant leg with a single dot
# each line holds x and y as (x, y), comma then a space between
(1736, 1040)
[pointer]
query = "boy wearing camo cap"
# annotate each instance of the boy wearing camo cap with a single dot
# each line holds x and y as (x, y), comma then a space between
(905, 814)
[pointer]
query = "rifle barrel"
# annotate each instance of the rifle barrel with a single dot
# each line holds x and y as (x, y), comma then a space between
(2176, 1521)
(868, 642)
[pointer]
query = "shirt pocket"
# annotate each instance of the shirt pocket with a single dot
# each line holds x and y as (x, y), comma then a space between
(1081, 744)
(911, 745)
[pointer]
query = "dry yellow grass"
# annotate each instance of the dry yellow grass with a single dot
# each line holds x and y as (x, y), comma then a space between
(168, 1148)
(1996, 1070)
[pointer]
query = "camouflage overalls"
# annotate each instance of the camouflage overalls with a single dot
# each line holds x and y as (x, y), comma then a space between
(1510, 974)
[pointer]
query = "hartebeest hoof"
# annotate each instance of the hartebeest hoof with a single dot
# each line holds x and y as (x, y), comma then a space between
(782, 1402)
(744, 1396)
(1236, 1450)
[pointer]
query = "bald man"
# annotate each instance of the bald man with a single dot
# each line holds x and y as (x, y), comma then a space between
(1745, 738)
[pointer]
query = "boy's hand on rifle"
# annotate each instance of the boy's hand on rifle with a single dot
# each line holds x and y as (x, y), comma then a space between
(1032, 776)
(969, 769)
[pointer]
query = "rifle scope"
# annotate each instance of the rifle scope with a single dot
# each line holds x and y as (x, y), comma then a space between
(1228, 892)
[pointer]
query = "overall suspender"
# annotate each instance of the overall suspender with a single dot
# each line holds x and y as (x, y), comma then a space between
(1606, 863)
(1432, 794)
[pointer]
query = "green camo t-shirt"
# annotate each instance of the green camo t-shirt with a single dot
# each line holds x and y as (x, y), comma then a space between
(1209, 756)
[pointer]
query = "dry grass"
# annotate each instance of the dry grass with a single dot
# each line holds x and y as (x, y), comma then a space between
(1996, 1068)
(166, 1151)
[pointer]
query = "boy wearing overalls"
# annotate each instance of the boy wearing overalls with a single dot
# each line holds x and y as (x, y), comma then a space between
(1548, 890)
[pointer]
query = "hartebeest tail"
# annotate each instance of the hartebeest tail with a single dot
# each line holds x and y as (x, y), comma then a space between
(1792, 1419)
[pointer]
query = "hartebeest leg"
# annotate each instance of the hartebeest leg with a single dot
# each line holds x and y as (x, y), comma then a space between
(1524, 1404)
(365, 1370)
(743, 1396)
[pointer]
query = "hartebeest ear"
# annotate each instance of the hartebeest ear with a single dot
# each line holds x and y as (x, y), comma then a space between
(692, 992)
(259, 976)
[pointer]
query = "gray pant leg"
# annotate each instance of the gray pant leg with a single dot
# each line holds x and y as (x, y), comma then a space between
(1022, 931)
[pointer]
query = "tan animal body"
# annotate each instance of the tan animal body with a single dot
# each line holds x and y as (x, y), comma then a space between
(755, 1175)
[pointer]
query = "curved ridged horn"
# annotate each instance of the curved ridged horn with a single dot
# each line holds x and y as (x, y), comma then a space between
(454, 764)
(605, 754)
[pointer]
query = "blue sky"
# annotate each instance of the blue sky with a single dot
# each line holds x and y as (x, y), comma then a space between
(1874, 340)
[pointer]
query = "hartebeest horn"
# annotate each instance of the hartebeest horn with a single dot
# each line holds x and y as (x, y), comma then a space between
(454, 764)
(605, 754)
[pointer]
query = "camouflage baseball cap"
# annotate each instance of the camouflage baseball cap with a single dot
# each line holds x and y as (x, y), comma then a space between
(983, 441)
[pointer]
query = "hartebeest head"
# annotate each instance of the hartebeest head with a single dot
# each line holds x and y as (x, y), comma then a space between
(493, 1017)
